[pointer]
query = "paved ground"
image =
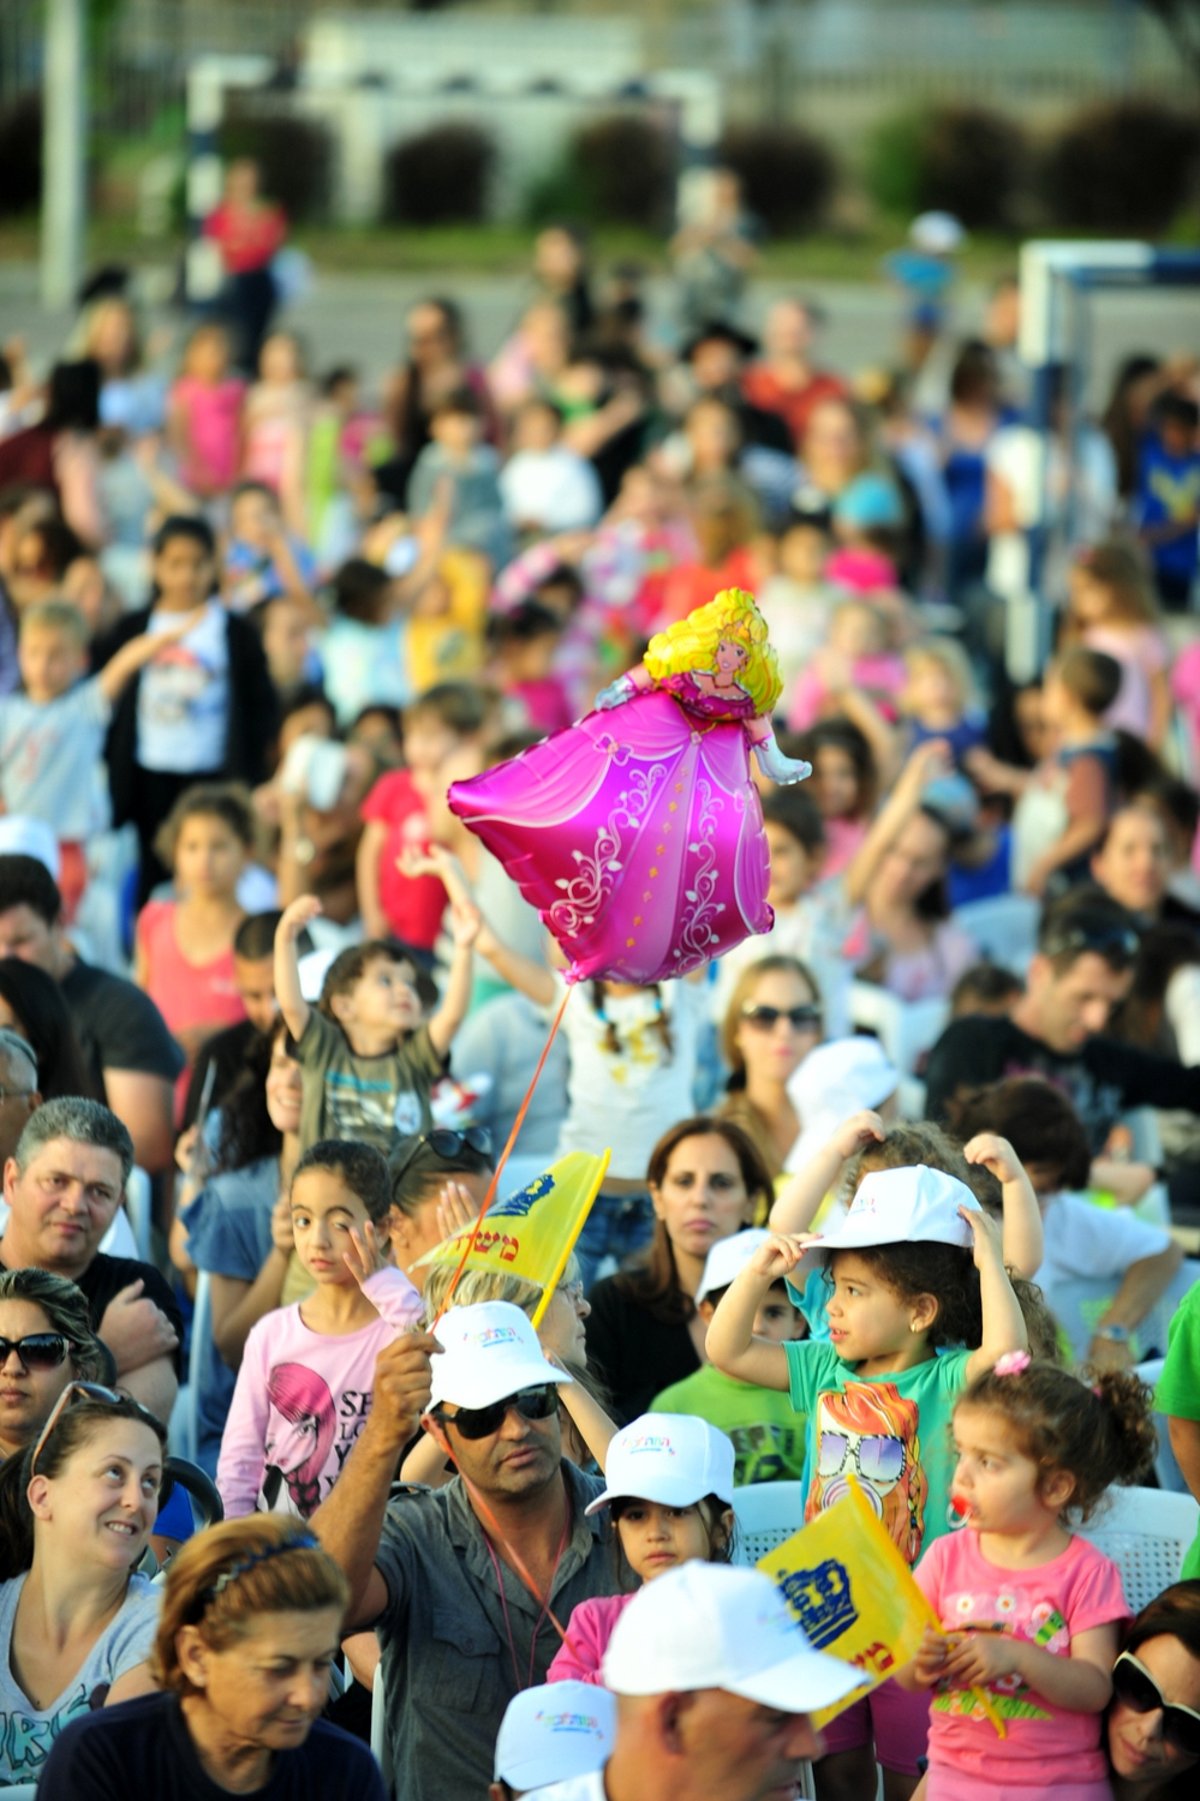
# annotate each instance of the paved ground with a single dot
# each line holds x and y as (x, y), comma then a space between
(360, 317)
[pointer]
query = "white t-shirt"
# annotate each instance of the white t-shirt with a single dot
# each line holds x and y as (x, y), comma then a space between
(1082, 1239)
(51, 760)
(183, 698)
(554, 489)
(627, 1101)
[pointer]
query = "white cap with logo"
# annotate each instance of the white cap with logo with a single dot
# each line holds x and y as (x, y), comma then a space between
(910, 1205)
(675, 1459)
(489, 1351)
(553, 1732)
(710, 1625)
(728, 1258)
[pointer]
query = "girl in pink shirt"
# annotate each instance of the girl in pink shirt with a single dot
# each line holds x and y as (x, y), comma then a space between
(1030, 1613)
(183, 951)
(670, 1486)
(204, 415)
(305, 1384)
(1112, 608)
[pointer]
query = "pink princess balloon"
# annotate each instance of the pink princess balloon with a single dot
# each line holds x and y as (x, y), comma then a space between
(637, 832)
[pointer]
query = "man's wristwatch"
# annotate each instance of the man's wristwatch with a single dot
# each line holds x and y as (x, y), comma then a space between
(1113, 1333)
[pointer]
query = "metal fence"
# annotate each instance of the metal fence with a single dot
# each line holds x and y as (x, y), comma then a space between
(879, 54)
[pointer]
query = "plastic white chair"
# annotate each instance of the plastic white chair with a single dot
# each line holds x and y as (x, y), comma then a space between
(1147, 1534)
(1005, 928)
(379, 1739)
(137, 1206)
(185, 1415)
(766, 1513)
(906, 1029)
(1166, 1467)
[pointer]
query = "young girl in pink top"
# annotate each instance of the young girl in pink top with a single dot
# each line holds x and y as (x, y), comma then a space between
(204, 414)
(1112, 608)
(307, 1374)
(1030, 1612)
(183, 954)
(670, 1486)
(276, 425)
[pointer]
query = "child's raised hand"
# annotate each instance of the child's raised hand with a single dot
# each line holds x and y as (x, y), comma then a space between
(366, 1256)
(995, 1154)
(976, 1658)
(455, 1210)
(281, 1225)
(857, 1132)
(985, 1232)
(434, 860)
(928, 761)
(466, 922)
(296, 916)
(780, 1255)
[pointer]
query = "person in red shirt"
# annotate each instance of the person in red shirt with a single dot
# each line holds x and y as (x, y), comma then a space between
(248, 231)
(785, 381)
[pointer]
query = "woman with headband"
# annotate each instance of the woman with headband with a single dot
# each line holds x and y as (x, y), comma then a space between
(250, 1628)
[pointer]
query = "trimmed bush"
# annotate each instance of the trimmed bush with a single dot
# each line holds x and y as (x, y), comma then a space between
(439, 177)
(625, 164)
(965, 160)
(21, 154)
(788, 176)
(1124, 166)
(294, 155)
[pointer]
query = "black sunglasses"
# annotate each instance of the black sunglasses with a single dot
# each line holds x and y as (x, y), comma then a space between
(1135, 1686)
(444, 1141)
(481, 1422)
(1117, 944)
(765, 1019)
(37, 1351)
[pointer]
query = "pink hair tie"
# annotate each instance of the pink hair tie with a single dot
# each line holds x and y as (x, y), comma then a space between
(1012, 1363)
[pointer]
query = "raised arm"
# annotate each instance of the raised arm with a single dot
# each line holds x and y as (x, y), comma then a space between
(799, 1200)
(926, 762)
(466, 923)
(292, 1004)
(1022, 1241)
(731, 1344)
(350, 1521)
(1003, 1322)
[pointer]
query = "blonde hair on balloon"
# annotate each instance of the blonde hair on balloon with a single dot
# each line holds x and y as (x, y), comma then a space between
(691, 644)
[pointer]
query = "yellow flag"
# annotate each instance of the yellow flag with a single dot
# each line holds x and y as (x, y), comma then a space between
(843, 1577)
(531, 1233)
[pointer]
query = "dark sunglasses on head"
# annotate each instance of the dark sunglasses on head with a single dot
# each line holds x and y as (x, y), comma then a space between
(1117, 944)
(36, 1351)
(1135, 1686)
(444, 1141)
(765, 1019)
(481, 1422)
(88, 1391)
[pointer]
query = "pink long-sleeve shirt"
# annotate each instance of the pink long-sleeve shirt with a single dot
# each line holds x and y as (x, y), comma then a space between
(301, 1400)
(590, 1627)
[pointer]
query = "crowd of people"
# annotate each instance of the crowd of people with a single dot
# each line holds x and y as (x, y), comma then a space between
(894, 1191)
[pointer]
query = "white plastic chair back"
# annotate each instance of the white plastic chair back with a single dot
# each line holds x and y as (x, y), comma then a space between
(185, 1415)
(1147, 1534)
(379, 1739)
(1004, 926)
(906, 1029)
(766, 1514)
(137, 1206)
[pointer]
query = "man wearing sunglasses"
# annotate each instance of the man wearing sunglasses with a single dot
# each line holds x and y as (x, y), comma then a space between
(460, 1582)
(63, 1185)
(1081, 973)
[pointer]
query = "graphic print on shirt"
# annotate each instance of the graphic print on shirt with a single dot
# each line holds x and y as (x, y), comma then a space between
(360, 1107)
(26, 1740)
(310, 1433)
(870, 1430)
(1017, 1614)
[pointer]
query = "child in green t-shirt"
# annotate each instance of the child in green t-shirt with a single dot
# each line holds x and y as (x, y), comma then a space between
(766, 1430)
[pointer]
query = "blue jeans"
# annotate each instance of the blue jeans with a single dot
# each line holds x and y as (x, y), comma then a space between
(618, 1227)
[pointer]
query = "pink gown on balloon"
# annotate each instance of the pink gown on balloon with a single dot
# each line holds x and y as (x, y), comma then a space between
(636, 833)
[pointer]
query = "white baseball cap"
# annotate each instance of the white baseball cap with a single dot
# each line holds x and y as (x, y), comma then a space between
(488, 1351)
(673, 1458)
(710, 1625)
(553, 1732)
(911, 1205)
(727, 1259)
(23, 836)
(938, 232)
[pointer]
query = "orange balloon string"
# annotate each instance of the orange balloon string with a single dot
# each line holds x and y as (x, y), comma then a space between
(478, 1503)
(490, 1196)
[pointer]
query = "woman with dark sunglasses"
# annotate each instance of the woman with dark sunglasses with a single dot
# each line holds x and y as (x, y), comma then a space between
(76, 1513)
(1153, 1723)
(771, 1023)
(45, 1342)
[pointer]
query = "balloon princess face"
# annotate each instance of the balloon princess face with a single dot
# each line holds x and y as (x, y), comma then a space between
(724, 644)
